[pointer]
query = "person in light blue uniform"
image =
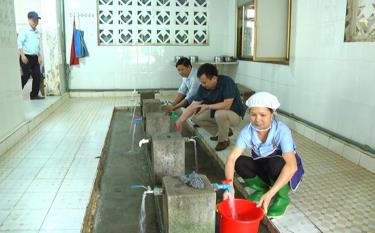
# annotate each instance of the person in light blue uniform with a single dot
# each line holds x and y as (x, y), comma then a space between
(274, 166)
(28, 42)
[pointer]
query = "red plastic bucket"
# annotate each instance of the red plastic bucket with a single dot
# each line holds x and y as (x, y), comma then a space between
(248, 217)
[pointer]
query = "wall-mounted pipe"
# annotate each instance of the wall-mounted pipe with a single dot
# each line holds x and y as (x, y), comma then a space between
(144, 141)
(336, 135)
(148, 189)
(192, 139)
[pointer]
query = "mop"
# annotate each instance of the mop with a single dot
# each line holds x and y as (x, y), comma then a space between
(193, 180)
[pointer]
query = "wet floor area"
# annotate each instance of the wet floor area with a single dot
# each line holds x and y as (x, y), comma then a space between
(114, 204)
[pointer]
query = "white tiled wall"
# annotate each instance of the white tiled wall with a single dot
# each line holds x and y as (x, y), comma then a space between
(328, 82)
(348, 151)
(11, 105)
(127, 67)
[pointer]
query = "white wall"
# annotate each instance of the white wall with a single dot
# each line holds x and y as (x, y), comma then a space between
(22, 7)
(11, 105)
(328, 82)
(127, 67)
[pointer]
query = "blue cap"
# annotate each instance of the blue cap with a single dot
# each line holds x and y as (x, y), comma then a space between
(33, 15)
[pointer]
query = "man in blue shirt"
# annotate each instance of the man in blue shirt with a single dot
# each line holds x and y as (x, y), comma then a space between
(216, 106)
(189, 86)
(30, 58)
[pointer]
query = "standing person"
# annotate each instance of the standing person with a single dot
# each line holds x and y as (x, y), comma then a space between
(216, 106)
(30, 56)
(189, 86)
(274, 167)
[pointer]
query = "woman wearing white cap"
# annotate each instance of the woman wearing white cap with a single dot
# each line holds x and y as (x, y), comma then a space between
(275, 167)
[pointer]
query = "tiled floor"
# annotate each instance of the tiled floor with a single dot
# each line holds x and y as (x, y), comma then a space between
(34, 107)
(46, 179)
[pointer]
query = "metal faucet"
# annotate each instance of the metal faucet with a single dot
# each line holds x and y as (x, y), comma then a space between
(192, 139)
(144, 141)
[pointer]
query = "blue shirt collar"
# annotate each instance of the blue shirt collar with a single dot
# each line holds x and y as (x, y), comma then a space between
(31, 28)
(269, 141)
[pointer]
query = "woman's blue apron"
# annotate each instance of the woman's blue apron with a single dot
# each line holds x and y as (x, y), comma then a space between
(298, 175)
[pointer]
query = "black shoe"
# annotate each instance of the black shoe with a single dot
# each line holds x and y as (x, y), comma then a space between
(37, 97)
(222, 145)
(215, 138)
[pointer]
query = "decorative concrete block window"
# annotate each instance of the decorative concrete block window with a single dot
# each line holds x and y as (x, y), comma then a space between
(152, 22)
(263, 30)
(359, 22)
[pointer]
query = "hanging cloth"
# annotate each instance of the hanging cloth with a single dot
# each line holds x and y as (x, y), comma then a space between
(79, 44)
(73, 58)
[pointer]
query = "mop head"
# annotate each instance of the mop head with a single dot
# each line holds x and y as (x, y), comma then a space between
(193, 180)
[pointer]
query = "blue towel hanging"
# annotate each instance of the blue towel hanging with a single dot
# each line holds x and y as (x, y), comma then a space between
(79, 43)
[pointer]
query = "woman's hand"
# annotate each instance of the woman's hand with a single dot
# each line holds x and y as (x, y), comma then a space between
(226, 194)
(265, 201)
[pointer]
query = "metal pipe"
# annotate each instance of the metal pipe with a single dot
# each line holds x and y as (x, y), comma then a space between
(143, 141)
(192, 139)
(148, 189)
(336, 135)
(134, 107)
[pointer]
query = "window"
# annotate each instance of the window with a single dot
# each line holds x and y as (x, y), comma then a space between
(152, 22)
(245, 31)
(263, 30)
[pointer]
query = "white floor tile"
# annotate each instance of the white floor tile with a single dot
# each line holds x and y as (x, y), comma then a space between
(22, 173)
(81, 173)
(3, 215)
(35, 201)
(57, 161)
(10, 162)
(37, 152)
(44, 186)
(14, 186)
(4, 172)
(52, 173)
(71, 200)
(9, 200)
(24, 220)
(63, 219)
(77, 185)
(34, 162)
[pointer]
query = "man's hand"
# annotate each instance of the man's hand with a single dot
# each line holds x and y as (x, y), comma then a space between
(24, 59)
(40, 60)
(169, 109)
(179, 125)
(203, 107)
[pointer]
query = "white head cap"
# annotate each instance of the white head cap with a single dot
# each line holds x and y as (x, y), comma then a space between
(263, 99)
